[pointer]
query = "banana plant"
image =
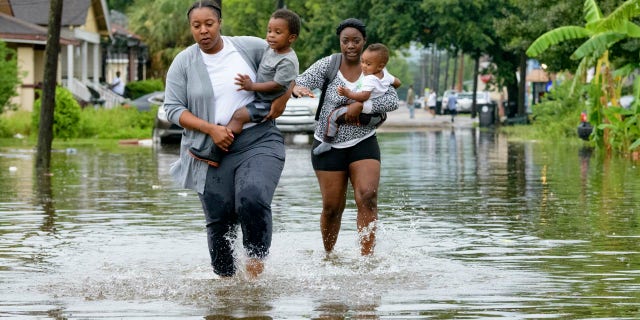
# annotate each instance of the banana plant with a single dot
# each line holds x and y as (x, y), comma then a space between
(601, 33)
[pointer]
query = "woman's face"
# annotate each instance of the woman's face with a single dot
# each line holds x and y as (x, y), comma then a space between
(205, 28)
(351, 44)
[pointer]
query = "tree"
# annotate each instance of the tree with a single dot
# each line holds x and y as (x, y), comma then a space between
(45, 133)
(9, 80)
(601, 33)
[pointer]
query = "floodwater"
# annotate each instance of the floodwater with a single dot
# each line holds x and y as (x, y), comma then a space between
(471, 227)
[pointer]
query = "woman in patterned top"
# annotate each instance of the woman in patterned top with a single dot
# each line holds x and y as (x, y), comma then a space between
(355, 155)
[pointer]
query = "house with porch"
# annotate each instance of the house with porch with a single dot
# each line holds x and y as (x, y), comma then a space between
(91, 50)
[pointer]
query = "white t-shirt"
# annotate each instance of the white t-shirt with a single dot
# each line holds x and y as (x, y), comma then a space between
(118, 86)
(377, 86)
(223, 68)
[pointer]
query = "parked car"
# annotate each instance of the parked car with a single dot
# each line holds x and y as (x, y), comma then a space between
(145, 102)
(165, 131)
(465, 100)
(298, 117)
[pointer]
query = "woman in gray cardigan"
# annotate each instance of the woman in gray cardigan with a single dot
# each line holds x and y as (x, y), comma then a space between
(200, 96)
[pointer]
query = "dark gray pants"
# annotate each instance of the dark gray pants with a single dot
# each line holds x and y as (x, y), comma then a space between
(239, 192)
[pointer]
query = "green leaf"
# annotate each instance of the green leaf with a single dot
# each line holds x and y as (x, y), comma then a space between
(592, 12)
(556, 36)
(597, 45)
(635, 145)
(624, 13)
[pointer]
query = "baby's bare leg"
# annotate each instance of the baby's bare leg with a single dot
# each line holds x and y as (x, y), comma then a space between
(240, 117)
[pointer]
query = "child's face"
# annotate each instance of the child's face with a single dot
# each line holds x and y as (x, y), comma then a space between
(371, 62)
(278, 35)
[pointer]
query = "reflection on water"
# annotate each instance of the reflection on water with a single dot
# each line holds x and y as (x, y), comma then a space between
(472, 226)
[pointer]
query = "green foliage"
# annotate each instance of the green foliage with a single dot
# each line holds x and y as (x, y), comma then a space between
(558, 115)
(137, 89)
(9, 80)
(13, 123)
(623, 128)
(117, 123)
(66, 115)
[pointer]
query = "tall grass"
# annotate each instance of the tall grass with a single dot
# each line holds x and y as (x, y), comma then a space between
(115, 123)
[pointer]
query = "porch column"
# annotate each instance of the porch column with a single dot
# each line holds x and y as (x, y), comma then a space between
(84, 61)
(96, 64)
(70, 66)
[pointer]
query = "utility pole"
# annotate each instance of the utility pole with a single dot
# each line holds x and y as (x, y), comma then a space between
(45, 131)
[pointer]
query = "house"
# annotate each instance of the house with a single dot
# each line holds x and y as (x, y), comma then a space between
(89, 56)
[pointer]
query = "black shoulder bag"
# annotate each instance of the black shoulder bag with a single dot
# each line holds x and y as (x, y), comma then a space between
(334, 66)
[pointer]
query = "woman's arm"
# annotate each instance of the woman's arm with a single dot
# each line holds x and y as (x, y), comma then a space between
(221, 135)
(312, 78)
(385, 103)
(280, 103)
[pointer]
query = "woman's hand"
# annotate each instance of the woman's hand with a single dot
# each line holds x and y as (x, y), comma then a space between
(353, 113)
(221, 135)
(244, 82)
(300, 91)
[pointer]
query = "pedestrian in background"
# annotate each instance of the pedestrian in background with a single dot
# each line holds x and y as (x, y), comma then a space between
(452, 105)
(411, 95)
(431, 103)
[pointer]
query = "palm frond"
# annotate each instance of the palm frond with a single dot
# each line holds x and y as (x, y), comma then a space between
(624, 13)
(597, 45)
(592, 12)
(556, 36)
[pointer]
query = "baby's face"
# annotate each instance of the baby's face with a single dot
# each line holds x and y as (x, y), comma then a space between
(371, 62)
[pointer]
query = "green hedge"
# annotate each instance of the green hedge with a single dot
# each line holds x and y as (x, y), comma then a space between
(136, 89)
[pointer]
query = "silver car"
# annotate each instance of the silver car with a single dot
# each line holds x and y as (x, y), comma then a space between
(299, 115)
(465, 99)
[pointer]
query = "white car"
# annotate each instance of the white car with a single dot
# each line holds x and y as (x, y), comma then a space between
(465, 99)
(299, 116)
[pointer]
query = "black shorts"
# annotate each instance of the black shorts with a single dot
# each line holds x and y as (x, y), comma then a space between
(340, 159)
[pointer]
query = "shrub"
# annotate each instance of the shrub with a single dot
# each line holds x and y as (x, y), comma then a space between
(136, 89)
(12, 123)
(558, 115)
(66, 115)
(9, 79)
(116, 123)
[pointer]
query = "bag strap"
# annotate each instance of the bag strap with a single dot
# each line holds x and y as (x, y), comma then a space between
(332, 71)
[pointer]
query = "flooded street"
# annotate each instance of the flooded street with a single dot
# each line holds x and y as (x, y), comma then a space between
(471, 227)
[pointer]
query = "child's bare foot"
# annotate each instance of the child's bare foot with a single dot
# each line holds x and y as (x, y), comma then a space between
(255, 267)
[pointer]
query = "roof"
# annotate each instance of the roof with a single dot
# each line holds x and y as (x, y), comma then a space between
(15, 30)
(74, 12)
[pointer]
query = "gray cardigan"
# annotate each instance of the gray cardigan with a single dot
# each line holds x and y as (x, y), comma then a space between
(188, 87)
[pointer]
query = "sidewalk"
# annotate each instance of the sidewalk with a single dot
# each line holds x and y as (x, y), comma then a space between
(399, 120)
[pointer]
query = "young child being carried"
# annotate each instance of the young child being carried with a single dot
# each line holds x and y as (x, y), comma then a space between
(278, 68)
(375, 83)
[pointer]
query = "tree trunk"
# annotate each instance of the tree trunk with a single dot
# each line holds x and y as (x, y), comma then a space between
(45, 133)
(522, 88)
(436, 86)
(460, 73)
(446, 71)
(455, 70)
(474, 107)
